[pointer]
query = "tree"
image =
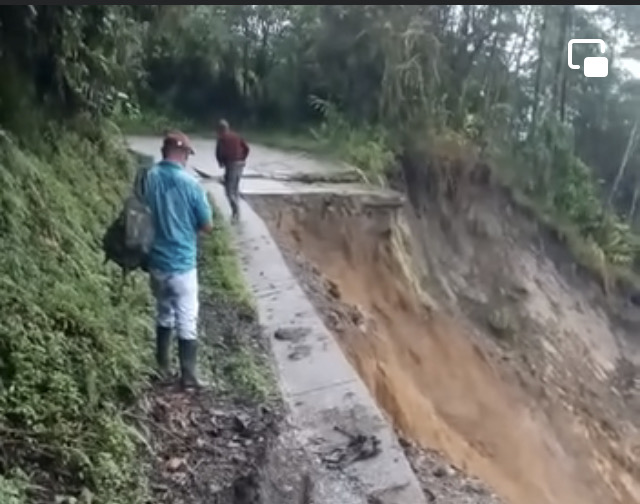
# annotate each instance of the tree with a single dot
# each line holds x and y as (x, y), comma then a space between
(495, 74)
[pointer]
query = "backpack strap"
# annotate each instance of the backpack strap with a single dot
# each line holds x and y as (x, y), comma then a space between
(140, 182)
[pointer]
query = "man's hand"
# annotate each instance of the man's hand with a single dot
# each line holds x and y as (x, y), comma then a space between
(207, 228)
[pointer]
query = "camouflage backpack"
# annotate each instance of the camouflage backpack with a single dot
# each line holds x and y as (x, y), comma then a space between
(128, 240)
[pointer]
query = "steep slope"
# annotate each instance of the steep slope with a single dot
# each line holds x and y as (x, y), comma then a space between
(476, 332)
(71, 355)
(567, 335)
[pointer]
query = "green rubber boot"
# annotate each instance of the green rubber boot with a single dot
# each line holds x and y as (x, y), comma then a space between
(188, 354)
(163, 351)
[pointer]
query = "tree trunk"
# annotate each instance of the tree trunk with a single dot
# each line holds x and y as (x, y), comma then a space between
(631, 146)
(561, 46)
(516, 72)
(538, 77)
(634, 203)
(566, 29)
(525, 36)
(489, 75)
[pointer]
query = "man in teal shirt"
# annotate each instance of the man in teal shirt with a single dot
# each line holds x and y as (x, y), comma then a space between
(180, 210)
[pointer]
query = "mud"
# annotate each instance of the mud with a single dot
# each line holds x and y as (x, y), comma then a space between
(220, 445)
(445, 483)
(206, 450)
(567, 336)
(357, 326)
(444, 380)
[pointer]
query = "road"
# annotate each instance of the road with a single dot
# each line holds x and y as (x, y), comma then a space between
(272, 171)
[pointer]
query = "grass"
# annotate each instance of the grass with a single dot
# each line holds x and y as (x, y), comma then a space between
(71, 356)
(586, 254)
(154, 124)
(240, 364)
(221, 275)
(74, 353)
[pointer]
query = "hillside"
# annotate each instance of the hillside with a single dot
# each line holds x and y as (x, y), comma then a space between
(72, 356)
(477, 332)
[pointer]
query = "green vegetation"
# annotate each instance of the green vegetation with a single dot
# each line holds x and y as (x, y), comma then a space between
(75, 348)
(73, 353)
(70, 356)
(222, 277)
(237, 364)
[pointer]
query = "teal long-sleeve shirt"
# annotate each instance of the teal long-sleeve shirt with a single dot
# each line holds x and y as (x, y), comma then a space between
(180, 208)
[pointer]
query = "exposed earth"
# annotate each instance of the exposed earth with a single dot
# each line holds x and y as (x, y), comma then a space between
(479, 347)
(507, 371)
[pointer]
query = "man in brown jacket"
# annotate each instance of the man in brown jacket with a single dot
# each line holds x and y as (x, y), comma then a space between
(231, 152)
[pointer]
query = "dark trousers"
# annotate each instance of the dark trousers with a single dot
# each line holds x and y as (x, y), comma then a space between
(232, 176)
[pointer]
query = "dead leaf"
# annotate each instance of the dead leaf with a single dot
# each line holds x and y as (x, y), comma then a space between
(175, 463)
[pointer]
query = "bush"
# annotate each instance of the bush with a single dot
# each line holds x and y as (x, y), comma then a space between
(366, 147)
(71, 356)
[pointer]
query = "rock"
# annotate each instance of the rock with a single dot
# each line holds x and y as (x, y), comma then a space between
(519, 290)
(241, 423)
(444, 471)
(357, 315)
(214, 489)
(293, 334)
(333, 289)
(333, 320)
(501, 323)
(175, 463)
(300, 352)
(239, 458)
(474, 487)
(265, 411)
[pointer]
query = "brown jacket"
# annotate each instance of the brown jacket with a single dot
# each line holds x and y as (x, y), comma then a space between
(231, 148)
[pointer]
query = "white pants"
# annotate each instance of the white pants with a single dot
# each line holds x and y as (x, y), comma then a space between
(177, 303)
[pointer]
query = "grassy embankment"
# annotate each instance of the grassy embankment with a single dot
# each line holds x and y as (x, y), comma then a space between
(74, 355)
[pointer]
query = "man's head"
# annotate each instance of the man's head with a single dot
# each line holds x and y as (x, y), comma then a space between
(176, 147)
(223, 127)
